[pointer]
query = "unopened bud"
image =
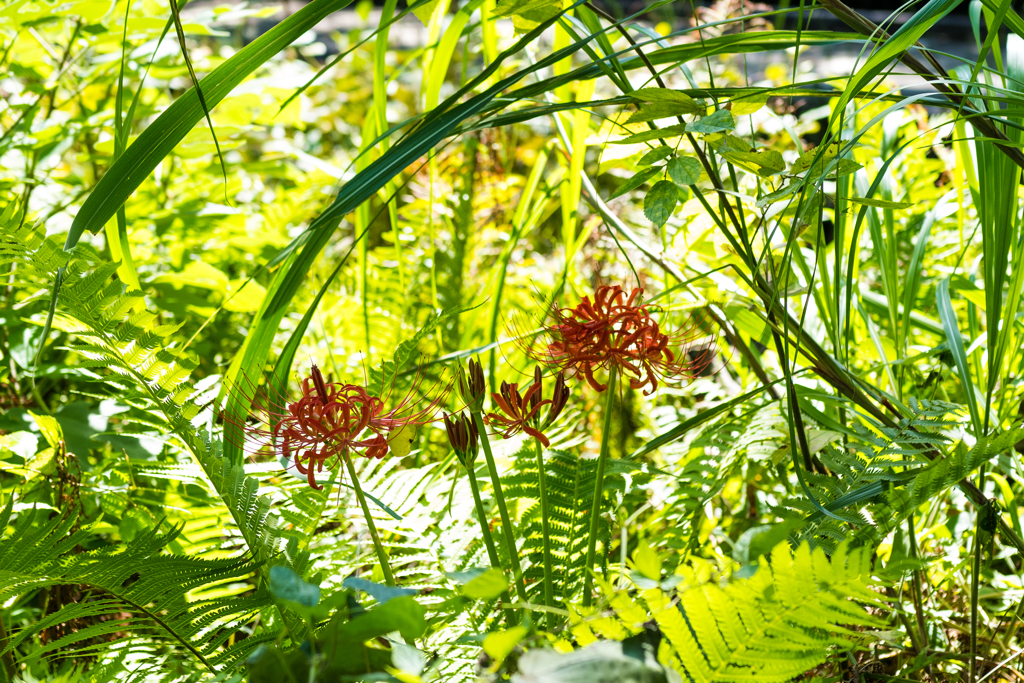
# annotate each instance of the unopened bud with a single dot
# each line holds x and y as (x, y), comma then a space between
(559, 397)
(472, 386)
(463, 437)
(536, 395)
(319, 384)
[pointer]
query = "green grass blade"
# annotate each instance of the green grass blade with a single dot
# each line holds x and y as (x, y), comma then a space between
(157, 141)
(197, 86)
(956, 347)
(901, 41)
(697, 420)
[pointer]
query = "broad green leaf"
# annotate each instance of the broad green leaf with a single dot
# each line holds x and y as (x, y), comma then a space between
(285, 584)
(759, 540)
(656, 154)
(764, 162)
(726, 142)
(500, 645)
(636, 181)
(748, 104)
(647, 561)
(665, 96)
(402, 614)
(50, 429)
(716, 122)
(684, 170)
(660, 202)
(648, 135)
(778, 195)
(845, 167)
(819, 438)
(426, 11)
(487, 586)
(659, 110)
(408, 659)
(379, 592)
(527, 15)
(815, 154)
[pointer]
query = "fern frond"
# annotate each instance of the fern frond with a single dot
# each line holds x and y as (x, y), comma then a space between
(161, 593)
(771, 627)
(570, 485)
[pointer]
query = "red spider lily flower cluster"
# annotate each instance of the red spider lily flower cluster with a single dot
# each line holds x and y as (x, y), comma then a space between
(329, 420)
(521, 412)
(617, 330)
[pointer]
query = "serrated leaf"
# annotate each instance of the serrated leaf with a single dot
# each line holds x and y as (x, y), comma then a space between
(684, 170)
(808, 157)
(647, 135)
(667, 96)
(660, 110)
(777, 195)
(845, 167)
(660, 202)
(766, 162)
(748, 105)
(656, 154)
(527, 15)
(636, 181)
(716, 122)
(724, 142)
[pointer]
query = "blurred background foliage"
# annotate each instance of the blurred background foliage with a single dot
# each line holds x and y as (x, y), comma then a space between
(833, 497)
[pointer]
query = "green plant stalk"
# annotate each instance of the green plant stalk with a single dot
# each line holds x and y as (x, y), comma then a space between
(549, 581)
(976, 570)
(485, 528)
(506, 523)
(381, 555)
(7, 666)
(602, 459)
(917, 586)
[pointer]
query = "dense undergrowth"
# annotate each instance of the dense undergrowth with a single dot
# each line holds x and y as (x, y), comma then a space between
(562, 346)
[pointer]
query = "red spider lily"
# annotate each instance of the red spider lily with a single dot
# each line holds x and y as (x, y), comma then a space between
(522, 412)
(616, 330)
(329, 420)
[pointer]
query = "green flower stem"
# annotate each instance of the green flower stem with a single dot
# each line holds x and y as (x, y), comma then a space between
(492, 551)
(549, 582)
(506, 523)
(381, 555)
(595, 508)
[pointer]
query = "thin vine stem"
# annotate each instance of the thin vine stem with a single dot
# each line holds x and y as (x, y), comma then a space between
(602, 459)
(382, 557)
